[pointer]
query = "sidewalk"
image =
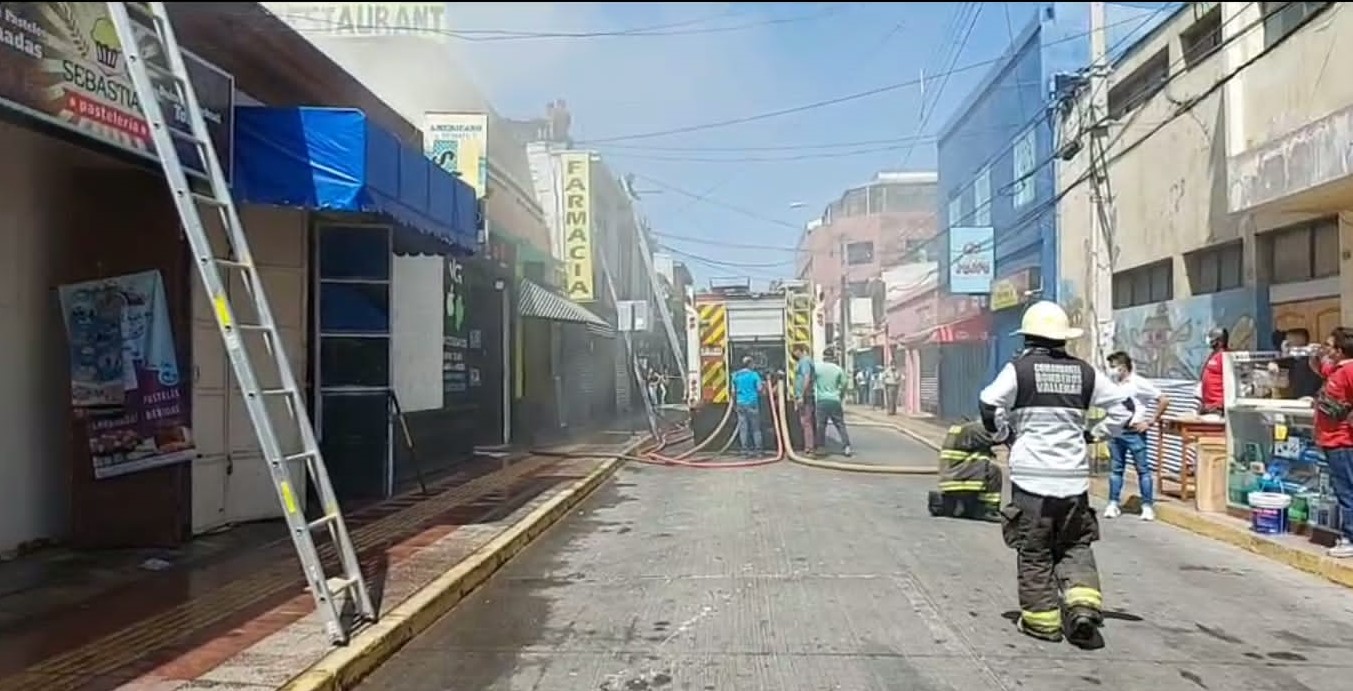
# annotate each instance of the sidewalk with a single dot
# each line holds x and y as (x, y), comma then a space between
(241, 619)
(1292, 550)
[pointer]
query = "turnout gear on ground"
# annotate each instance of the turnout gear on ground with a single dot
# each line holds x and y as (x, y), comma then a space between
(969, 480)
(1043, 398)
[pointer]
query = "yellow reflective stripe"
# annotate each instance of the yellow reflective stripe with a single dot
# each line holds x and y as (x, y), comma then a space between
(955, 429)
(1081, 596)
(991, 498)
(954, 455)
(1047, 622)
(962, 486)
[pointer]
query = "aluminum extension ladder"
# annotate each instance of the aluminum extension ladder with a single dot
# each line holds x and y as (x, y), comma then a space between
(156, 67)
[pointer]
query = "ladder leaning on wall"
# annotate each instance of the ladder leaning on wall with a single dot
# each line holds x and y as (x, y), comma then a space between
(156, 66)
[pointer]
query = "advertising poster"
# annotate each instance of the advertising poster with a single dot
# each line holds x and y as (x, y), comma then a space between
(125, 378)
(459, 144)
(62, 63)
(972, 260)
(580, 284)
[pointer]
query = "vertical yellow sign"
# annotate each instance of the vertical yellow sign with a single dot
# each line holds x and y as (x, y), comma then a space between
(577, 226)
(459, 144)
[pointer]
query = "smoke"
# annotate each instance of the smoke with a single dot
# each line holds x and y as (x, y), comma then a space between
(619, 84)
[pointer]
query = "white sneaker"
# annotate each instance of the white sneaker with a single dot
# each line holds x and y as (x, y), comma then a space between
(1148, 512)
(1112, 510)
(1342, 549)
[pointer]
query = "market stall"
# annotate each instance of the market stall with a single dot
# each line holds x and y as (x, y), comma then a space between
(1276, 476)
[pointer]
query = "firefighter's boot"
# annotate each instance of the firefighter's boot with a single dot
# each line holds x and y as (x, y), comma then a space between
(1051, 634)
(1082, 626)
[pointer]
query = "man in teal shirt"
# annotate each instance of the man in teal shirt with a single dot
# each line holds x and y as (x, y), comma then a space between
(829, 385)
(747, 387)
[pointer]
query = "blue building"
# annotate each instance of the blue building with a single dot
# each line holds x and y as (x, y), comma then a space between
(996, 164)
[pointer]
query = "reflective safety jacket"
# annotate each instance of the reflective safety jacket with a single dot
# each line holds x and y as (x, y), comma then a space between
(965, 457)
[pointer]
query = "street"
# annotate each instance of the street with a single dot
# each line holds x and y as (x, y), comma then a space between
(788, 578)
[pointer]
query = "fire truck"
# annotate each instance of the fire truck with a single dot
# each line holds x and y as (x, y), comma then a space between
(729, 322)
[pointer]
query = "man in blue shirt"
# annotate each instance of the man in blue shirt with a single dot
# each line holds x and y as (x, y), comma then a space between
(747, 387)
(803, 395)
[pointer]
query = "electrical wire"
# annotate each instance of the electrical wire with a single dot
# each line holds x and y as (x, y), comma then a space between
(944, 81)
(308, 23)
(810, 106)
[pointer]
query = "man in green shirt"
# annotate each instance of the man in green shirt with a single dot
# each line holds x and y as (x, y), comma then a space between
(829, 385)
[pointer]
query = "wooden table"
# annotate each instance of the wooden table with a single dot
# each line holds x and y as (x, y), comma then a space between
(1191, 431)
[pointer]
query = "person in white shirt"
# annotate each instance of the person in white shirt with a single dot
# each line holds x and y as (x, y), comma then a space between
(1141, 394)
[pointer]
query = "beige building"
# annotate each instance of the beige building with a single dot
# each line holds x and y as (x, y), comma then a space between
(1228, 174)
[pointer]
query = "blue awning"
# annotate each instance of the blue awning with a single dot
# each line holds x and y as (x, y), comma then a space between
(333, 159)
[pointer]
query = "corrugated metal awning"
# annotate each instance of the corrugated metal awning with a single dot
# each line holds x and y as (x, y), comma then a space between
(538, 302)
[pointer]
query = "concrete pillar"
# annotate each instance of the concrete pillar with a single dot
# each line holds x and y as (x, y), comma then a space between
(1346, 268)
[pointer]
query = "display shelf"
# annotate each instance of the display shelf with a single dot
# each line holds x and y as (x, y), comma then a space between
(1270, 443)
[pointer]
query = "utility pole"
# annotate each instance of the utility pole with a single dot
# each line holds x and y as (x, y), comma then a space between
(842, 332)
(663, 311)
(1101, 239)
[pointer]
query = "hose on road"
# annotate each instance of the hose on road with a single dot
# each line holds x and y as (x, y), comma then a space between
(650, 453)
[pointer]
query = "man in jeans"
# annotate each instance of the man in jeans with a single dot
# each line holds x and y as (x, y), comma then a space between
(803, 395)
(892, 381)
(829, 385)
(1334, 433)
(1132, 442)
(747, 387)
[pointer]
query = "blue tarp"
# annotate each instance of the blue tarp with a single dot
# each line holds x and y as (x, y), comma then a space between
(333, 159)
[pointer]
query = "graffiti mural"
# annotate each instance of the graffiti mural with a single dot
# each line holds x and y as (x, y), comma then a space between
(1167, 340)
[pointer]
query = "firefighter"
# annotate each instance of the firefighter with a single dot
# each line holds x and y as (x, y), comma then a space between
(1039, 403)
(970, 481)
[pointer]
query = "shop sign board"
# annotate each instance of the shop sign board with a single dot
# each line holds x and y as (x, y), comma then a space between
(62, 63)
(580, 285)
(125, 380)
(1010, 291)
(972, 259)
(459, 144)
(364, 19)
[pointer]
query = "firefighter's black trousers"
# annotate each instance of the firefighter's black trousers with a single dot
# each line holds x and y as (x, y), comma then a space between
(1056, 565)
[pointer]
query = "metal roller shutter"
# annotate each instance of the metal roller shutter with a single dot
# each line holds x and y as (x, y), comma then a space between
(930, 380)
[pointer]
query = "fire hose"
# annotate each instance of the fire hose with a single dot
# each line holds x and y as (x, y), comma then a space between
(650, 453)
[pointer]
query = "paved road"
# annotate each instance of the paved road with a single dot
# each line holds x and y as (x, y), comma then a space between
(792, 579)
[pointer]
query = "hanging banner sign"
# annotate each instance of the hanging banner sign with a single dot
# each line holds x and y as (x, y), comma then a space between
(125, 378)
(972, 260)
(62, 63)
(577, 226)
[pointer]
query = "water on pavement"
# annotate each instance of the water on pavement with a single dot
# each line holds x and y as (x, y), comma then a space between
(787, 578)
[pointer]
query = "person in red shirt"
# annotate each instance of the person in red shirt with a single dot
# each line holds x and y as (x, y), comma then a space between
(1210, 381)
(1334, 433)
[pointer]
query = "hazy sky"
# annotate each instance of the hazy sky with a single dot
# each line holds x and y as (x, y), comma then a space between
(668, 66)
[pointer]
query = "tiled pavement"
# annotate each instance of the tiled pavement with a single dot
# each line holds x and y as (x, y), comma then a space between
(243, 621)
(1294, 550)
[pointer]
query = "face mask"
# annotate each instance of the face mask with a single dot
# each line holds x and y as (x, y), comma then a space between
(1118, 373)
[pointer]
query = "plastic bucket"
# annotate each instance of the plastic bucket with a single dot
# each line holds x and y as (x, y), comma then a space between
(1268, 512)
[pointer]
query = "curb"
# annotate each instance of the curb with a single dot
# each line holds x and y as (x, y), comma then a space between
(344, 667)
(1332, 570)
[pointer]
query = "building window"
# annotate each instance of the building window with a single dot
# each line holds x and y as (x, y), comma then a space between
(858, 289)
(1215, 269)
(859, 253)
(1203, 38)
(1138, 87)
(856, 202)
(1025, 153)
(1144, 285)
(1304, 252)
(956, 209)
(981, 202)
(902, 198)
(1282, 18)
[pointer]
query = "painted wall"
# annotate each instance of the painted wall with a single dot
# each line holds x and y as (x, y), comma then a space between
(1167, 340)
